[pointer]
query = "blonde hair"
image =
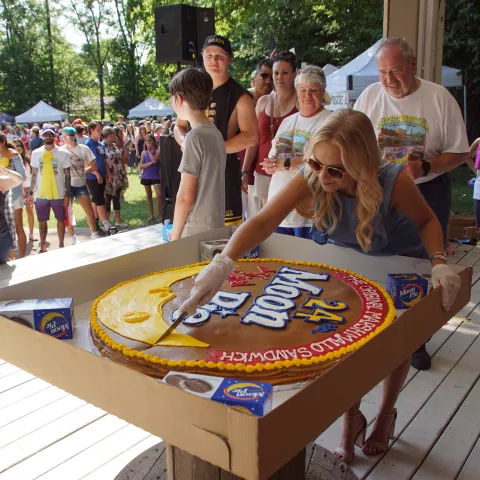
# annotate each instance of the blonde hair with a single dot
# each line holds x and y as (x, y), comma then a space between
(352, 132)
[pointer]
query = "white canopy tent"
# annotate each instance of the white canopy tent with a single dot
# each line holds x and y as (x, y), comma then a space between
(328, 69)
(151, 107)
(357, 75)
(41, 112)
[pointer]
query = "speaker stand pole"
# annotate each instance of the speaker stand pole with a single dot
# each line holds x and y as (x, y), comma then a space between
(178, 67)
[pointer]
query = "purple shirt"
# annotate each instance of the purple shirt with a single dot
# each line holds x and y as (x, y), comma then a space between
(153, 171)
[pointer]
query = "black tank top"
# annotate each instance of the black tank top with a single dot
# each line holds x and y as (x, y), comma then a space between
(223, 103)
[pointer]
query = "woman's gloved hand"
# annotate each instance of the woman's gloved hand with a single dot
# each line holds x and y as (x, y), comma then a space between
(208, 282)
(444, 276)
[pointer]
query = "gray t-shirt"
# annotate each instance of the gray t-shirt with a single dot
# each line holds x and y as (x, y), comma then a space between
(204, 157)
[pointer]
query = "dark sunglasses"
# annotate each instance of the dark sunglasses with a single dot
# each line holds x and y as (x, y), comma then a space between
(264, 76)
(334, 172)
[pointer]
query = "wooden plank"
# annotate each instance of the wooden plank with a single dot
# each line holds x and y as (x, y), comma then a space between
(421, 434)
(31, 404)
(14, 380)
(471, 257)
(96, 452)
(417, 392)
(42, 438)
(472, 465)
(459, 253)
(456, 442)
(38, 419)
(22, 391)
(112, 468)
(7, 369)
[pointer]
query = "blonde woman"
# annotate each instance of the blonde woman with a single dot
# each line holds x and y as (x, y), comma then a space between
(361, 204)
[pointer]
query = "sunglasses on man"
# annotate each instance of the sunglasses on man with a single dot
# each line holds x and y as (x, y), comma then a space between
(265, 76)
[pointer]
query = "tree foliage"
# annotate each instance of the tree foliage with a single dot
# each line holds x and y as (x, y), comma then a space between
(118, 55)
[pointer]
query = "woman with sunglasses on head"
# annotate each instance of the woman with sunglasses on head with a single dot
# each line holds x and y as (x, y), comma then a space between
(20, 149)
(9, 158)
(361, 204)
(286, 153)
(271, 110)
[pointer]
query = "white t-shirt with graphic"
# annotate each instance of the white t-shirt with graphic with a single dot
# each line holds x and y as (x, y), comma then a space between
(427, 122)
(78, 155)
(292, 136)
(61, 160)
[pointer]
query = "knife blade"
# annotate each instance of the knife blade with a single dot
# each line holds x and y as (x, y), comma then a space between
(172, 327)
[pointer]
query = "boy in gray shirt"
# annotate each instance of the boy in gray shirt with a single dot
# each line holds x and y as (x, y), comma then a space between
(200, 204)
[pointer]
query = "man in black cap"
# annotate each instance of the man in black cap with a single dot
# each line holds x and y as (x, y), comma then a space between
(233, 112)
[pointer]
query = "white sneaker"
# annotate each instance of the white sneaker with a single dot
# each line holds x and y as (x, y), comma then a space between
(122, 225)
(74, 240)
(94, 236)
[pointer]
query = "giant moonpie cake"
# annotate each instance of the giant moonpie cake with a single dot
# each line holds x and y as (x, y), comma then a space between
(273, 320)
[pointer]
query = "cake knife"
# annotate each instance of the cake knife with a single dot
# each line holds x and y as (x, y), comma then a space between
(172, 327)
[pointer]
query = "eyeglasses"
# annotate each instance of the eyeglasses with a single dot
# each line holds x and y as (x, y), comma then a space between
(264, 76)
(334, 172)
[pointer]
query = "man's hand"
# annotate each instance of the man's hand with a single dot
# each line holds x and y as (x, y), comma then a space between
(66, 201)
(245, 184)
(269, 165)
(413, 168)
(31, 200)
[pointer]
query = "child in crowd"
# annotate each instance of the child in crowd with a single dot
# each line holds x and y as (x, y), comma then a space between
(200, 204)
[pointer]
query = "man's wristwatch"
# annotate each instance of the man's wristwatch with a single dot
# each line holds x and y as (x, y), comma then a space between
(30, 192)
(426, 167)
(287, 164)
(244, 174)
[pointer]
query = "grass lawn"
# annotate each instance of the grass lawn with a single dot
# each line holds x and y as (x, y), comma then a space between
(462, 195)
(134, 209)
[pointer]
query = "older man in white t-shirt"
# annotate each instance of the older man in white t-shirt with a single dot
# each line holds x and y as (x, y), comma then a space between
(418, 123)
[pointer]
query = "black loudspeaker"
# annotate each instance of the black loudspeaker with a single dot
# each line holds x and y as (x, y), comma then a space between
(170, 158)
(180, 31)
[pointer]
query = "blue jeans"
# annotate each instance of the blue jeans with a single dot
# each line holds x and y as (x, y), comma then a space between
(301, 232)
(5, 246)
(438, 195)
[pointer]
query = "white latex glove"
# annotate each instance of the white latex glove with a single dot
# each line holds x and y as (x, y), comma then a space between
(444, 276)
(208, 282)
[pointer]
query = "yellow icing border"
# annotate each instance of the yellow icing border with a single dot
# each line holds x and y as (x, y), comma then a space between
(241, 367)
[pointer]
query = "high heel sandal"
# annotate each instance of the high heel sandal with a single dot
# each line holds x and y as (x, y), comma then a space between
(347, 456)
(381, 446)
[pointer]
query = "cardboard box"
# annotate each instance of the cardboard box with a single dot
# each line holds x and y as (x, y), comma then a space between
(244, 395)
(52, 316)
(246, 445)
(406, 289)
(458, 224)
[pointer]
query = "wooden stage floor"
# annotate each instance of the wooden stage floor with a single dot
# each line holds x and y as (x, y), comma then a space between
(47, 434)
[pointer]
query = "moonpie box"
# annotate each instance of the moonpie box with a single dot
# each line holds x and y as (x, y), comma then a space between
(209, 249)
(406, 289)
(53, 316)
(244, 395)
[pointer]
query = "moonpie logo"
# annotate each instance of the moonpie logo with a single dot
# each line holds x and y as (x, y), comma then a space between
(411, 294)
(406, 278)
(244, 392)
(54, 324)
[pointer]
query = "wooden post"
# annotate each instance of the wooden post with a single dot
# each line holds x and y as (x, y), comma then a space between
(422, 23)
(183, 466)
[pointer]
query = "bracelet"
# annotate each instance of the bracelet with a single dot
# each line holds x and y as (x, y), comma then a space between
(438, 256)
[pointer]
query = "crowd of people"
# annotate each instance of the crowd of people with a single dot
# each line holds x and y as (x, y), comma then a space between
(64, 162)
(373, 179)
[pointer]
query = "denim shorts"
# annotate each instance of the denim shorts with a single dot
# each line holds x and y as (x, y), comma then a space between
(79, 191)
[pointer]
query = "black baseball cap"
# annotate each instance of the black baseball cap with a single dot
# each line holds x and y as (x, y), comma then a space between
(218, 41)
